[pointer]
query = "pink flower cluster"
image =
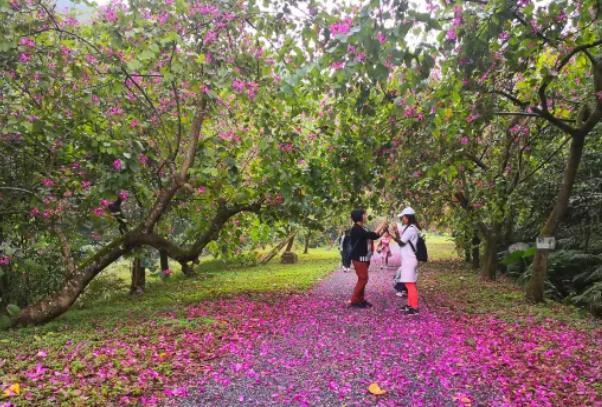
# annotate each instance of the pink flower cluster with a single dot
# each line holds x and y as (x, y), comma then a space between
(340, 27)
(287, 147)
(210, 36)
(229, 136)
(4, 260)
(27, 42)
(241, 86)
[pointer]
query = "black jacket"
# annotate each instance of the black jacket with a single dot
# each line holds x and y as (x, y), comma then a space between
(360, 238)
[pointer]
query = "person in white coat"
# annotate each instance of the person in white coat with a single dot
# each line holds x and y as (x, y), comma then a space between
(407, 238)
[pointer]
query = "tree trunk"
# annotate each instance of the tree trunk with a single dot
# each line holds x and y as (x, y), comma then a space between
(535, 287)
(289, 245)
(467, 253)
(272, 253)
(138, 277)
(489, 266)
(57, 303)
(476, 251)
(306, 249)
(187, 269)
(163, 260)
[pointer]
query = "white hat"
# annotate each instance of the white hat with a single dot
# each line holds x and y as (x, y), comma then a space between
(407, 211)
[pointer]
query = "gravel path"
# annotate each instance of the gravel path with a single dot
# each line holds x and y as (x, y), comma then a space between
(312, 350)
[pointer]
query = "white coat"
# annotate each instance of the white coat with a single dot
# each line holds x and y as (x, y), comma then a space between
(408, 271)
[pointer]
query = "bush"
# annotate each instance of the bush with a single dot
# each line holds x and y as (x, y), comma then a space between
(591, 299)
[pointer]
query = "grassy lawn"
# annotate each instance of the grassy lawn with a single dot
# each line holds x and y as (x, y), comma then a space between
(214, 279)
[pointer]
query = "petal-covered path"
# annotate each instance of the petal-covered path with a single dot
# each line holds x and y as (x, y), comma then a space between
(311, 350)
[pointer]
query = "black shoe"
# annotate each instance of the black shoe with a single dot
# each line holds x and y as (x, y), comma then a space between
(411, 311)
(358, 305)
(367, 304)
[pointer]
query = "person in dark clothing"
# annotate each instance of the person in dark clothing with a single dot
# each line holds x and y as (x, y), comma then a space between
(361, 242)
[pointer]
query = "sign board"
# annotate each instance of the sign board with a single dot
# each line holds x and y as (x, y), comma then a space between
(518, 247)
(545, 243)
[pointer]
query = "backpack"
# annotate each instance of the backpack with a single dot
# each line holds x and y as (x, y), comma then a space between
(420, 250)
(347, 250)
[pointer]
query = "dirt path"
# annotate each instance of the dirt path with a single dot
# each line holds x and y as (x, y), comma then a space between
(313, 350)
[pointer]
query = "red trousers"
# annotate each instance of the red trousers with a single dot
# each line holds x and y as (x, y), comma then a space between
(361, 269)
(412, 295)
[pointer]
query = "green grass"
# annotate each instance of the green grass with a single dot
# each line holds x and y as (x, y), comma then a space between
(440, 247)
(214, 279)
(452, 284)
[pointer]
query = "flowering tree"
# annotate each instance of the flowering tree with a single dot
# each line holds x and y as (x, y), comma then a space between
(116, 129)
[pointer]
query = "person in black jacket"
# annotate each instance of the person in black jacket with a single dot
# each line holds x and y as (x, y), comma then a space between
(361, 242)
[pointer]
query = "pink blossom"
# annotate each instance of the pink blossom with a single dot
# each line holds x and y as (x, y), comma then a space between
(409, 112)
(98, 211)
(134, 123)
(238, 85)
(201, 189)
(27, 42)
(420, 116)
(110, 14)
(464, 140)
(115, 111)
(34, 212)
(117, 165)
(341, 27)
(4, 260)
(451, 35)
(91, 59)
(210, 37)
(208, 9)
(380, 37)
(24, 58)
(504, 36)
(286, 147)
(472, 117)
(163, 17)
(166, 273)
(360, 56)
(176, 391)
(252, 88)
(205, 89)
(48, 183)
(143, 160)
(336, 65)
(66, 51)
(85, 184)
(105, 203)
(123, 195)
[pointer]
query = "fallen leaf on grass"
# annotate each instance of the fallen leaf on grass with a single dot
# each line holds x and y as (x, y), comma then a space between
(375, 389)
(13, 390)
